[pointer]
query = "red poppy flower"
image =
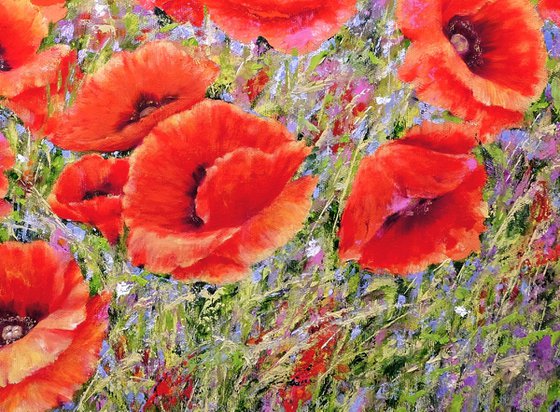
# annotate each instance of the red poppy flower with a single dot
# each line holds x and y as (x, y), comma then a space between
(210, 193)
(37, 105)
(53, 10)
(179, 10)
(7, 161)
(550, 10)
(22, 28)
(119, 104)
(483, 60)
(415, 202)
(286, 24)
(90, 191)
(51, 330)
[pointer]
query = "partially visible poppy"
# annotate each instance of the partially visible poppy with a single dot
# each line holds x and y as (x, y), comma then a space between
(174, 385)
(53, 10)
(37, 105)
(415, 202)
(22, 67)
(210, 193)
(482, 60)
(7, 161)
(51, 330)
(90, 191)
(286, 25)
(314, 360)
(550, 10)
(120, 103)
(256, 85)
(181, 11)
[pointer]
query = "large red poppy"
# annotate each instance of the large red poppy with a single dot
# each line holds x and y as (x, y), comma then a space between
(22, 28)
(51, 330)
(90, 191)
(7, 161)
(179, 10)
(120, 103)
(210, 193)
(286, 24)
(415, 202)
(550, 10)
(483, 60)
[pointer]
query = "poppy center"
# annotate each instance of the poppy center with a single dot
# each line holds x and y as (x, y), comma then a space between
(463, 36)
(14, 327)
(95, 193)
(198, 177)
(4, 65)
(145, 106)
(414, 208)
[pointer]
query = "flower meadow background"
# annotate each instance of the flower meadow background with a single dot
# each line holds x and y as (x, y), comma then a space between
(307, 331)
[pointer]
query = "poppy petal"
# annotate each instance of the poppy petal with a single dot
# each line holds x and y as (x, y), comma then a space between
(241, 175)
(35, 105)
(258, 238)
(39, 71)
(22, 29)
(301, 25)
(274, 226)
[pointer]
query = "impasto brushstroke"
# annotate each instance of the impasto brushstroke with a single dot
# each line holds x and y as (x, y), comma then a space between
(279, 205)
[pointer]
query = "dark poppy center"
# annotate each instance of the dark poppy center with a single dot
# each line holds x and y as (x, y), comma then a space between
(465, 39)
(198, 177)
(417, 207)
(14, 327)
(95, 193)
(4, 65)
(145, 105)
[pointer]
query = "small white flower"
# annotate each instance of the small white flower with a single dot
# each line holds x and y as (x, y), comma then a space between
(382, 100)
(461, 311)
(313, 248)
(124, 288)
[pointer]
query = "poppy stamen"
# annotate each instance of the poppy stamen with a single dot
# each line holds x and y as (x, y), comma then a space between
(14, 327)
(95, 193)
(415, 207)
(4, 65)
(198, 176)
(465, 39)
(145, 106)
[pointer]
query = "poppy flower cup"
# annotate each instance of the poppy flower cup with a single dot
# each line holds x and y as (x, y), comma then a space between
(482, 60)
(302, 25)
(7, 161)
(120, 103)
(90, 191)
(210, 193)
(415, 202)
(22, 67)
(51, 330)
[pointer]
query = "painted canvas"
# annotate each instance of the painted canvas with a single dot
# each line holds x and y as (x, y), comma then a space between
(279, 205)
